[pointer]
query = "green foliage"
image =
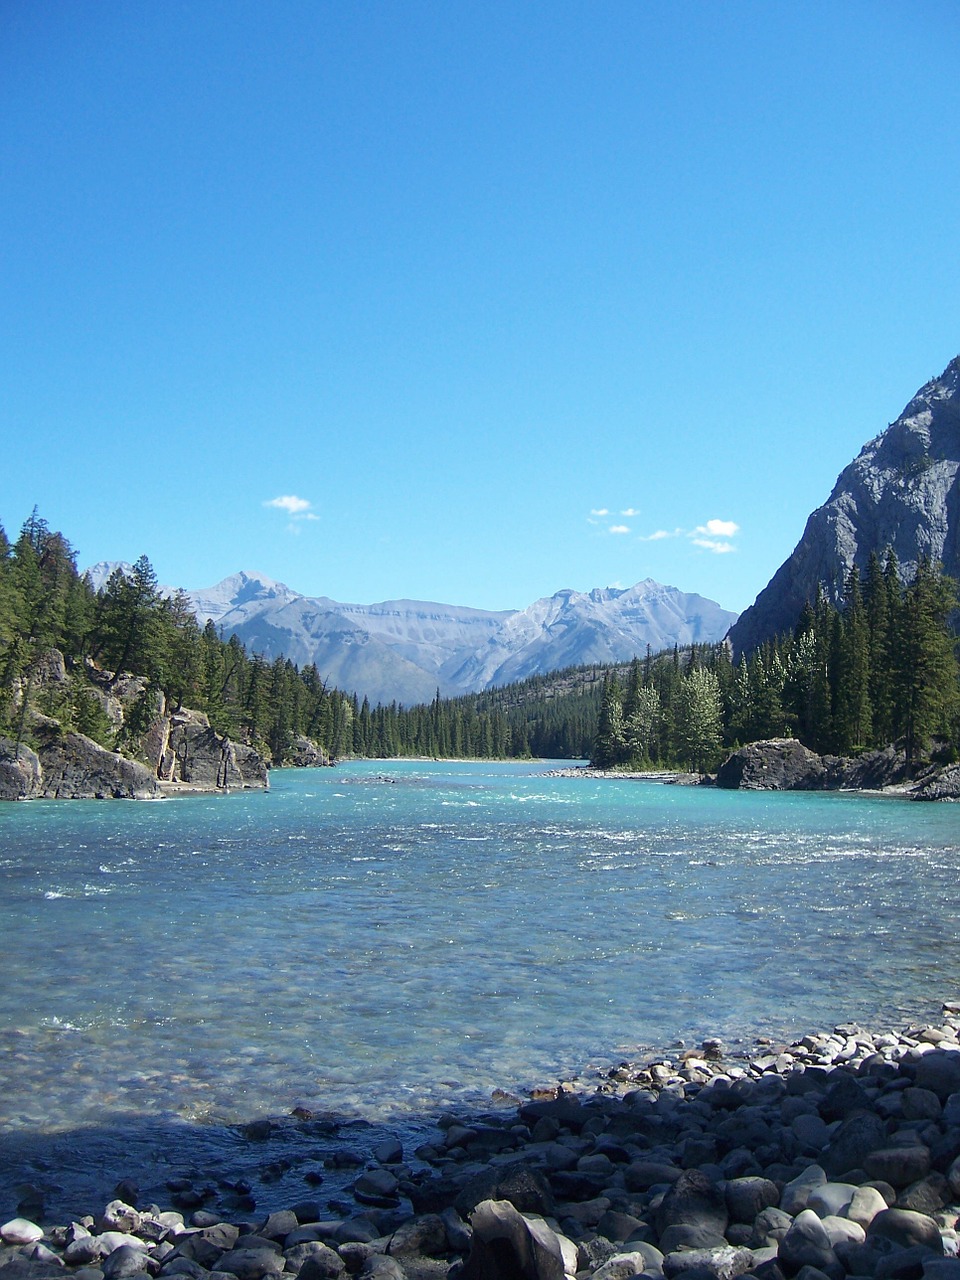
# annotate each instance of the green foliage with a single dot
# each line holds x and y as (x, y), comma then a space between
(880, 667)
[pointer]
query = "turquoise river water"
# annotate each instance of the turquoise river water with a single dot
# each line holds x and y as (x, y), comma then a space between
(383, 940)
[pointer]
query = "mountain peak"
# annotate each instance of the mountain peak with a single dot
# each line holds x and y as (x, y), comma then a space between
(901, 491)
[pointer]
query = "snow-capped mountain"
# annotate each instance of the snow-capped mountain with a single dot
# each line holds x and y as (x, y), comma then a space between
(404, 650)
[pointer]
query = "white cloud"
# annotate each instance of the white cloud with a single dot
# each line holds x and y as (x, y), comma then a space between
(630, 512)
(298, 509)
(718, 529)
(710, 544)
(659, 534)
(619, 528)
(599, 511)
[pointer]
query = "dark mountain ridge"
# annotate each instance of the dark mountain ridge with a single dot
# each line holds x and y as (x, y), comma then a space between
(900, 492)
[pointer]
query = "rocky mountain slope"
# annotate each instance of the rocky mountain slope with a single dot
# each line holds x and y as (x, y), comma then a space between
(901, 491)
(405, 650)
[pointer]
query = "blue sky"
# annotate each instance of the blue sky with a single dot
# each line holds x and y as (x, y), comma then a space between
(466, 302)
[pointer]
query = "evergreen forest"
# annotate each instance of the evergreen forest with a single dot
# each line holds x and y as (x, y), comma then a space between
(879, 667)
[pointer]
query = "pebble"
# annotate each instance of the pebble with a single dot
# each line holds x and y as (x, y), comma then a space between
(835, 1157)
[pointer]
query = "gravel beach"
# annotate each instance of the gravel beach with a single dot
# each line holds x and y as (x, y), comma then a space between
(835, 1156)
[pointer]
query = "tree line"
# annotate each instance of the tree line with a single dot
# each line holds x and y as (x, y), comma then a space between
(129, 628)
(879, 667)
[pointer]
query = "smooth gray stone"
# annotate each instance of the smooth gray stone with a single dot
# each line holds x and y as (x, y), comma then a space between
(807, 1244)
(424, 1235)
(904, 1228)
(252, 1263)
(20, 1231)
(900, 1166)
(746, 1197)
(795, 1194)
(325, 1265)
(125, 1261)
(831, 1198)
(508, 1246)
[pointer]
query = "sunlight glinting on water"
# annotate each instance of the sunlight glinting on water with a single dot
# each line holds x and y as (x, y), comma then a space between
(382, 936)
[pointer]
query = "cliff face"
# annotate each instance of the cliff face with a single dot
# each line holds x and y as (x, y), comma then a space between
(180, 749)
(901, 491)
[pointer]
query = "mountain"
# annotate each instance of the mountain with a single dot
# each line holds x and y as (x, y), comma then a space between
(404, 650)
(901, 491)
(606, 625)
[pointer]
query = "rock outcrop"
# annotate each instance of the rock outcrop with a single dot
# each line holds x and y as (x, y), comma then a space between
(179, 749)
(20, 775)
(780, 764)
(182, 747)
(74, 767)
(784, 764)
(902, 491)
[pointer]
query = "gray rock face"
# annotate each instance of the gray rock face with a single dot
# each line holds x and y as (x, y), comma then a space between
(902, 491)
(20, 773)
(781, 764)
(183, 747)
(74, 767)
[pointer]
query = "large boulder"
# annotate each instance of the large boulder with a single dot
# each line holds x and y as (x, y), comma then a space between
(779, 764)
(184, 747)
(20, 773)
(74, 767)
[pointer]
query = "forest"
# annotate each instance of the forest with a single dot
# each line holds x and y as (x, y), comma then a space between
(131, 628)
(879, 667)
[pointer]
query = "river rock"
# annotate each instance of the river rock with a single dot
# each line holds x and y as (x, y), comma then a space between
(831, 1198)
(807, 1244)
(20, 1231)
(693, 1201)
(905, 1229)
(939, 1072)
(252, 1263)
(746, 1197)
(323, 1264)
(722, 1263)
(126, 1261)
(865, 1204)
(507, 1245)
(797, 1192)
(525, 1188)
(899, 1166)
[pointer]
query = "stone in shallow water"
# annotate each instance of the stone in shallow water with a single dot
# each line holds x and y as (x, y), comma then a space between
(20, 1231)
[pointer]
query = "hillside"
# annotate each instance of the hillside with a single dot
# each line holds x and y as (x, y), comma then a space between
(901, 492)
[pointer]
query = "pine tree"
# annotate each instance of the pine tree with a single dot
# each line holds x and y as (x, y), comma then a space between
(698, 718)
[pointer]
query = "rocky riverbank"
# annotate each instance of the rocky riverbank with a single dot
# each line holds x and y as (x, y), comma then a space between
(784, 764)
(835, 1156)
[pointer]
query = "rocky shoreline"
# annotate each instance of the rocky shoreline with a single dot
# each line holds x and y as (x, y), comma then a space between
(785, 764)
(835, 1156)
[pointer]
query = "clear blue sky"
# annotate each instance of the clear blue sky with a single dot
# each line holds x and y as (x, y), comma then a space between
(460, 276)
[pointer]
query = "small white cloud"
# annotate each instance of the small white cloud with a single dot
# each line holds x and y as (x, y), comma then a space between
(630, 512)
(290, 503)
(619, 528)
(659, 534)
(718, 529)
(599, 511)
(298, 509)
(710, 544)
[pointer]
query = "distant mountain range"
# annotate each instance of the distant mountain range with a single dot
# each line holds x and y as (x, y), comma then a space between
(901, 491)
(404, 650)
